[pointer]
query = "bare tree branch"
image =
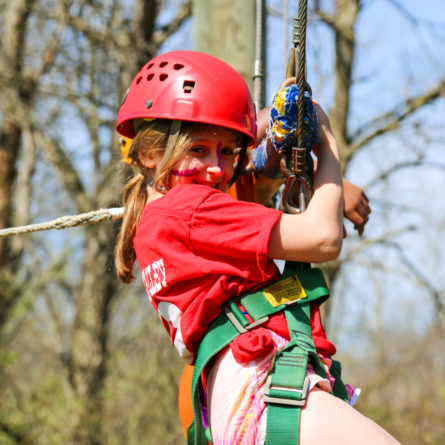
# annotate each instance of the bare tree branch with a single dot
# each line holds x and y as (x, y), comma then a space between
(385, 174)
(412, 18)
(163, 33)
(346, 14)
(391, 120)
(13, 35)
(24, 187)
(329, 20)
(422, 280)
(63, 165)
(414, 272)
(380, 240)
(53, 44)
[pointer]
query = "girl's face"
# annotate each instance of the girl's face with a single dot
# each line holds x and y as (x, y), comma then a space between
(209, 160)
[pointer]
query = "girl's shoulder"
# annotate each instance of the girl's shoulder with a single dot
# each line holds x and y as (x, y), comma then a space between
(187, 197)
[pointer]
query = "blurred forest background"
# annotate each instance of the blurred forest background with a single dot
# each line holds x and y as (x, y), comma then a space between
(83, 358)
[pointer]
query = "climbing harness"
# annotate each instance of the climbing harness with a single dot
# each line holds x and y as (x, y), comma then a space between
(287, 385)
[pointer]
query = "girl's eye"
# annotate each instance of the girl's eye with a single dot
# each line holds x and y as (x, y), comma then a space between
(198, 149)
(227, 151)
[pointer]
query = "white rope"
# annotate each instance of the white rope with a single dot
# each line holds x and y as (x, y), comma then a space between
(65, 222)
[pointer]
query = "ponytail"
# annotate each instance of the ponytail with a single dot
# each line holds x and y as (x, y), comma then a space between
(134, 198)
(151, 137)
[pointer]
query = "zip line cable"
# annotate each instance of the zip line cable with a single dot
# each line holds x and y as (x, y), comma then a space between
(296, 165)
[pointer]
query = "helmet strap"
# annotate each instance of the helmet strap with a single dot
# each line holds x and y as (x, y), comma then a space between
(240, 163)
(173, 135)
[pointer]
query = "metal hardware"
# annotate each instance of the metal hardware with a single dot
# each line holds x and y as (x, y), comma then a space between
(242, 329)
(282, 400)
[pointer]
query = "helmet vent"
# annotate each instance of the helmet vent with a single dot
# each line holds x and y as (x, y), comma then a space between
(138, 80)
(163, 76)
(188, 86)
(149, 66)
(150, 76)
(162, 64)
(178, 66)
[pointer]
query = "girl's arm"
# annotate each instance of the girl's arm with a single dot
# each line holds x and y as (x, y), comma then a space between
(356, 208)
(316, 235)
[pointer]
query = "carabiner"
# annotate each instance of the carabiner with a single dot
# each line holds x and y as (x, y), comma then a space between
(296, 194)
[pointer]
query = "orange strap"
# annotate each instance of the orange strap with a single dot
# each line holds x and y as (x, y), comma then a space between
(185, 399)
(244, 188)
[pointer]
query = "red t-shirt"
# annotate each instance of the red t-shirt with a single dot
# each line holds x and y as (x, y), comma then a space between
(197, 248)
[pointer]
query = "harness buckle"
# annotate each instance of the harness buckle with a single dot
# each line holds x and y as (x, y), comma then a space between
(280, 399)
(239, 327)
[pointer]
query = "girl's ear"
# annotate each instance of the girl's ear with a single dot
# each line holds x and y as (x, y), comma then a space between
(148, 160)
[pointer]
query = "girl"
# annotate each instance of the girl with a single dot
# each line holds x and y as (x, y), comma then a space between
(192, 119)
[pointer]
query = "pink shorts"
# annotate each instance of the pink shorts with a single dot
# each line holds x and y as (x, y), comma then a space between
(237, 412)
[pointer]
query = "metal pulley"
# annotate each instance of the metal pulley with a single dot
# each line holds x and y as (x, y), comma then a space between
(298, 189)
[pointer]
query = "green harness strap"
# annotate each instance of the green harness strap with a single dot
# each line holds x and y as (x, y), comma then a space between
(286, 386)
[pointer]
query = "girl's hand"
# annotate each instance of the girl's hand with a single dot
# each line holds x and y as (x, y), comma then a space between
(287, 82)
(356, 207)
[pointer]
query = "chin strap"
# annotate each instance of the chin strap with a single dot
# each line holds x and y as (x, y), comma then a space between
(173, 135)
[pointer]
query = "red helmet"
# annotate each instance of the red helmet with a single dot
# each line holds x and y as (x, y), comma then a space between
(189, 86)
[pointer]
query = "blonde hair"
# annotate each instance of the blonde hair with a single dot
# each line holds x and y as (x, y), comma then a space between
(152, 139)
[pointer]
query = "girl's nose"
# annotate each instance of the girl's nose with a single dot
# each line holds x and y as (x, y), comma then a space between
(214, 166)
(215, 170)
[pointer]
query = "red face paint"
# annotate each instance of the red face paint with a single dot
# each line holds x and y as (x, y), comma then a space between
(218, 154)
(185, 173)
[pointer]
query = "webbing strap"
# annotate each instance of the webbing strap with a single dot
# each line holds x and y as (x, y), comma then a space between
(287, 385)
(339, 388)
(286, 430)
(309, 284)
(221, 332)
(299, 324)
(297, 285)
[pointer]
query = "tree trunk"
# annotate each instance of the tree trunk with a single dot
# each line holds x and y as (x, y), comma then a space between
(226, 29)
(345, 18)
(16, 94)
(90, 334)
